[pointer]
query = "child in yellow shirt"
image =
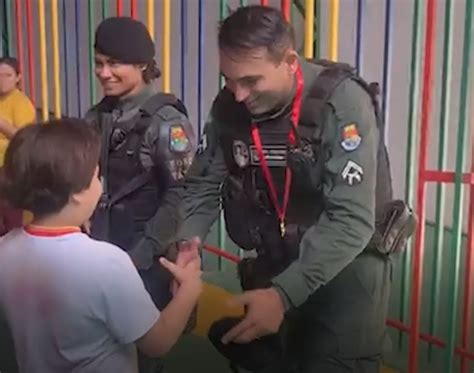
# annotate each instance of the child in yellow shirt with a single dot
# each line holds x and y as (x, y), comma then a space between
(16, 111)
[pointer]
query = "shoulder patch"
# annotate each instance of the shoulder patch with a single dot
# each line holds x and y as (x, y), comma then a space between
(179, 141)
(352, 173)
(350, 137)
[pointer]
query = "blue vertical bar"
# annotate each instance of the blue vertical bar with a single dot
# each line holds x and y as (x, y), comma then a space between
(200, 62)
(358, 56)
(184, 47)
(65, 62)
(387, 63)
(78, 58)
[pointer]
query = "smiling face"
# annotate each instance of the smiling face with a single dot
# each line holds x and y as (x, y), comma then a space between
(118, 79)
(257, 79)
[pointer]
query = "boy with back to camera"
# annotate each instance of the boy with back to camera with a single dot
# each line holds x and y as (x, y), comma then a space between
(72, 303)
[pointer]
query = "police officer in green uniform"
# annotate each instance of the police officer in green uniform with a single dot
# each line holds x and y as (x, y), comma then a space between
(295, 152)
(148, 145)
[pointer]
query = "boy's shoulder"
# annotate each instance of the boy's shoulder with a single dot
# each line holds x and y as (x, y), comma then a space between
(107, 257)
(11, 236)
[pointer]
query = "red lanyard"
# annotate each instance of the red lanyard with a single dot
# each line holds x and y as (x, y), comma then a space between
(295, 116)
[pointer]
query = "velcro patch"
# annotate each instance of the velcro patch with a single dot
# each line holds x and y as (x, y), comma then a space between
(274, 154)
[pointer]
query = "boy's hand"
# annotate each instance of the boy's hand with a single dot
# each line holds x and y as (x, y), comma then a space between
(188, 251)
(188, 278)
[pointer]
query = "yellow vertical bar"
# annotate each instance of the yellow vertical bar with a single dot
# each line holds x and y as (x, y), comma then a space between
(166, 44)
(56, 72)
(333, 29)
(43, 62)
(150, 13)
(308, 29)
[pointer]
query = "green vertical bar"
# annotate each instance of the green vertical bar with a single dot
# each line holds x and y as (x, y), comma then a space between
(92, 83)
(458, 186)
(221, 225)
(243, 2)
(413, 109)
(440, 189)
(105, 10)
(318, 34)
(9, 27)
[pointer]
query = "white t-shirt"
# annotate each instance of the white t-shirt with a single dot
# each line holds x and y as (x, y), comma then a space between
(73, 304)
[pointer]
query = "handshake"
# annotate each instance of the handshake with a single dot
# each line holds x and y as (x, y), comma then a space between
(186, 269)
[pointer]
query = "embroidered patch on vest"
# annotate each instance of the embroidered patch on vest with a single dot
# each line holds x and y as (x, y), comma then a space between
(240, 151)
(352, 173)
(179, 141)
(274, 154)
(350, 137)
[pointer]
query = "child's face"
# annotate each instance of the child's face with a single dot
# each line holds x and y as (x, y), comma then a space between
(8, 79)
(87, 199)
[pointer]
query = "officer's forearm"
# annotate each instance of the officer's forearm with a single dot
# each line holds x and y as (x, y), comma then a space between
(325, 250)
(200, 209)
(160, 230)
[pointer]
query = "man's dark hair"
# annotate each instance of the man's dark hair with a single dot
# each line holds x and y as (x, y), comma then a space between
(46, 163)
(12, 62)
(254, 27)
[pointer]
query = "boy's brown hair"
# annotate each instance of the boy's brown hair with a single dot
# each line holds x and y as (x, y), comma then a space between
(46, 163)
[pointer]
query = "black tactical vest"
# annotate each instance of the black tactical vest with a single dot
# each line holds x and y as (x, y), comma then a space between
(132, 194)
(251, 219)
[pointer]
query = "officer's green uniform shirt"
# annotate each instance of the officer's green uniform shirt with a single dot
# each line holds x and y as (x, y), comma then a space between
(349, 178)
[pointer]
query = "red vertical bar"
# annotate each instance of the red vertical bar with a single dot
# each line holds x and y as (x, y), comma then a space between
(19, 39)
(119, 8)
(29, 34)
(285, 9)
(263, 2)
(421, 186)
(469, 273)
(134, 9)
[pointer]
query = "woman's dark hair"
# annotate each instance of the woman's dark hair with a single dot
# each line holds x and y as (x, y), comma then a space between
(151, 72)
(254, 27)
(46, 163)
(12, 62)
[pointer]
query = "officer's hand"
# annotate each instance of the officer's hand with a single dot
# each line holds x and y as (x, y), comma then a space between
(187, 277)
(264, 316)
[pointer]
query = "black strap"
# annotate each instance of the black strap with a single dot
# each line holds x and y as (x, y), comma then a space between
(153, 105)
(134, 184)
(319, 94)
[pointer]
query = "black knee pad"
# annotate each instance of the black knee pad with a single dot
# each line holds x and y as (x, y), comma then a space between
(252, 356)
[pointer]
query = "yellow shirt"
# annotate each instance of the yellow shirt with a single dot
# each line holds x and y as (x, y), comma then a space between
(18, 110)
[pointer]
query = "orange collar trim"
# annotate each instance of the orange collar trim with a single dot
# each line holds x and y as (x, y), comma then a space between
(40, 231)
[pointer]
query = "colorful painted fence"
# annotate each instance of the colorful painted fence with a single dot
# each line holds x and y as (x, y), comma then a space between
(421, 53)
